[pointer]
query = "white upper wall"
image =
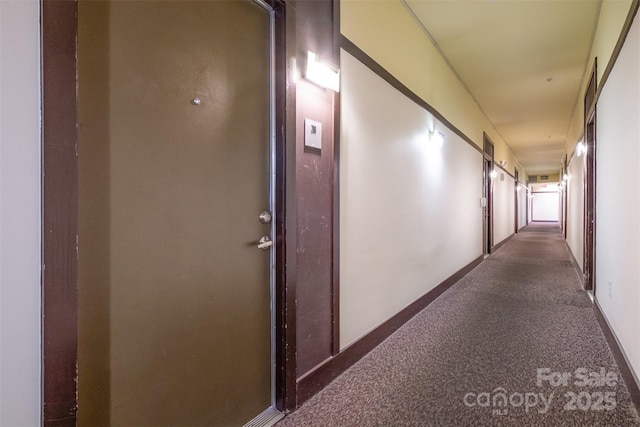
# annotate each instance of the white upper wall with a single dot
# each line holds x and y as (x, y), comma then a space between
(613, 14)
(386, 31)
(19, 213)
(522, 206)
(618, 198)
(575, 209)
(504, 215)
(410, 212)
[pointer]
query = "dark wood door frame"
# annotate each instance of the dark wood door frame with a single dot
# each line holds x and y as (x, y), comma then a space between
(526, 201)
(565, 191)
(515, 195)
(60, 211)
(590, 181)
(488, 157)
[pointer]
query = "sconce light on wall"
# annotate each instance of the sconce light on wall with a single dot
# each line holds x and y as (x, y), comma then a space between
(321, 74)
(503, 163)
(436, 138)
(581, 149)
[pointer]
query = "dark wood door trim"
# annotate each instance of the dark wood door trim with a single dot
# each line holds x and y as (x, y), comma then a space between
(515, 196)
(285, 201)
(488, 154)
(335, 286)
(590, 101)
(60, 211)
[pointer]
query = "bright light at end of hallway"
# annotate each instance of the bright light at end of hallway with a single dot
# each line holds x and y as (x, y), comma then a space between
(581, 149)
(493, 174)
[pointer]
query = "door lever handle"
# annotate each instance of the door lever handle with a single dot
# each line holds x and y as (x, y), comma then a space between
(265, 242)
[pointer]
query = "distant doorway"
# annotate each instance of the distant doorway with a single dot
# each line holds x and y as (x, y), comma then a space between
(487, 196)
(590, 183)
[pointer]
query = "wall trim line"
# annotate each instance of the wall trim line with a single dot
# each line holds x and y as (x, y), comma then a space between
(633, 10)
(629, 377)
(349, 47)
(317, 379)
(574, 263)
(506, 171)
(502, 243)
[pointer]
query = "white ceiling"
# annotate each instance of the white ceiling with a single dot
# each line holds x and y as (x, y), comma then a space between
(505, 52)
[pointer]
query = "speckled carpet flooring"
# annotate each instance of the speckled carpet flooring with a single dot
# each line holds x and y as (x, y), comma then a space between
(514, 342)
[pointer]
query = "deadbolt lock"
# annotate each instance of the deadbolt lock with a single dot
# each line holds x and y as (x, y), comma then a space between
(265, 217)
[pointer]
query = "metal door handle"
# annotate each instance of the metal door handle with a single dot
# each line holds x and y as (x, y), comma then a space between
(265, 242)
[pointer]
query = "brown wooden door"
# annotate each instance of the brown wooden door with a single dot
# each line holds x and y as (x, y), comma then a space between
(174, 294)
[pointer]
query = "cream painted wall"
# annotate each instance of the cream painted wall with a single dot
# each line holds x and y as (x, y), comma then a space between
(387, 32)
(503, 207)
(618, 198)
(19, 213)
(522, 206)
(410, 213)
(613, 14)
(575, 209)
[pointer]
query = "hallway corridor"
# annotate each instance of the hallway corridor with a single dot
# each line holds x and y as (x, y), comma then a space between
(519, 325)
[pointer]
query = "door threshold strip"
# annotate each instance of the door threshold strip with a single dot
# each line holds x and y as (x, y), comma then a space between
(267, 418)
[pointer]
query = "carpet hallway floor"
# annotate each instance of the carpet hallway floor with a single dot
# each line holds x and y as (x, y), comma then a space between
(514, 342)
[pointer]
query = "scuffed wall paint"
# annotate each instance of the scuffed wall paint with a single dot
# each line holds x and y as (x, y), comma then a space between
(410, 213)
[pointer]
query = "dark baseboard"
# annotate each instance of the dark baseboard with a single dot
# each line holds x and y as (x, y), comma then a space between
(575, 264)
(631, 381)
(317, 379)
(499, 245)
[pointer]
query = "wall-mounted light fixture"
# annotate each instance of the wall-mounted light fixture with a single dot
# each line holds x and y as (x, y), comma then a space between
(436, 138)
(565, 177)
(581, 149)
(321, 74)
(503, 163)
